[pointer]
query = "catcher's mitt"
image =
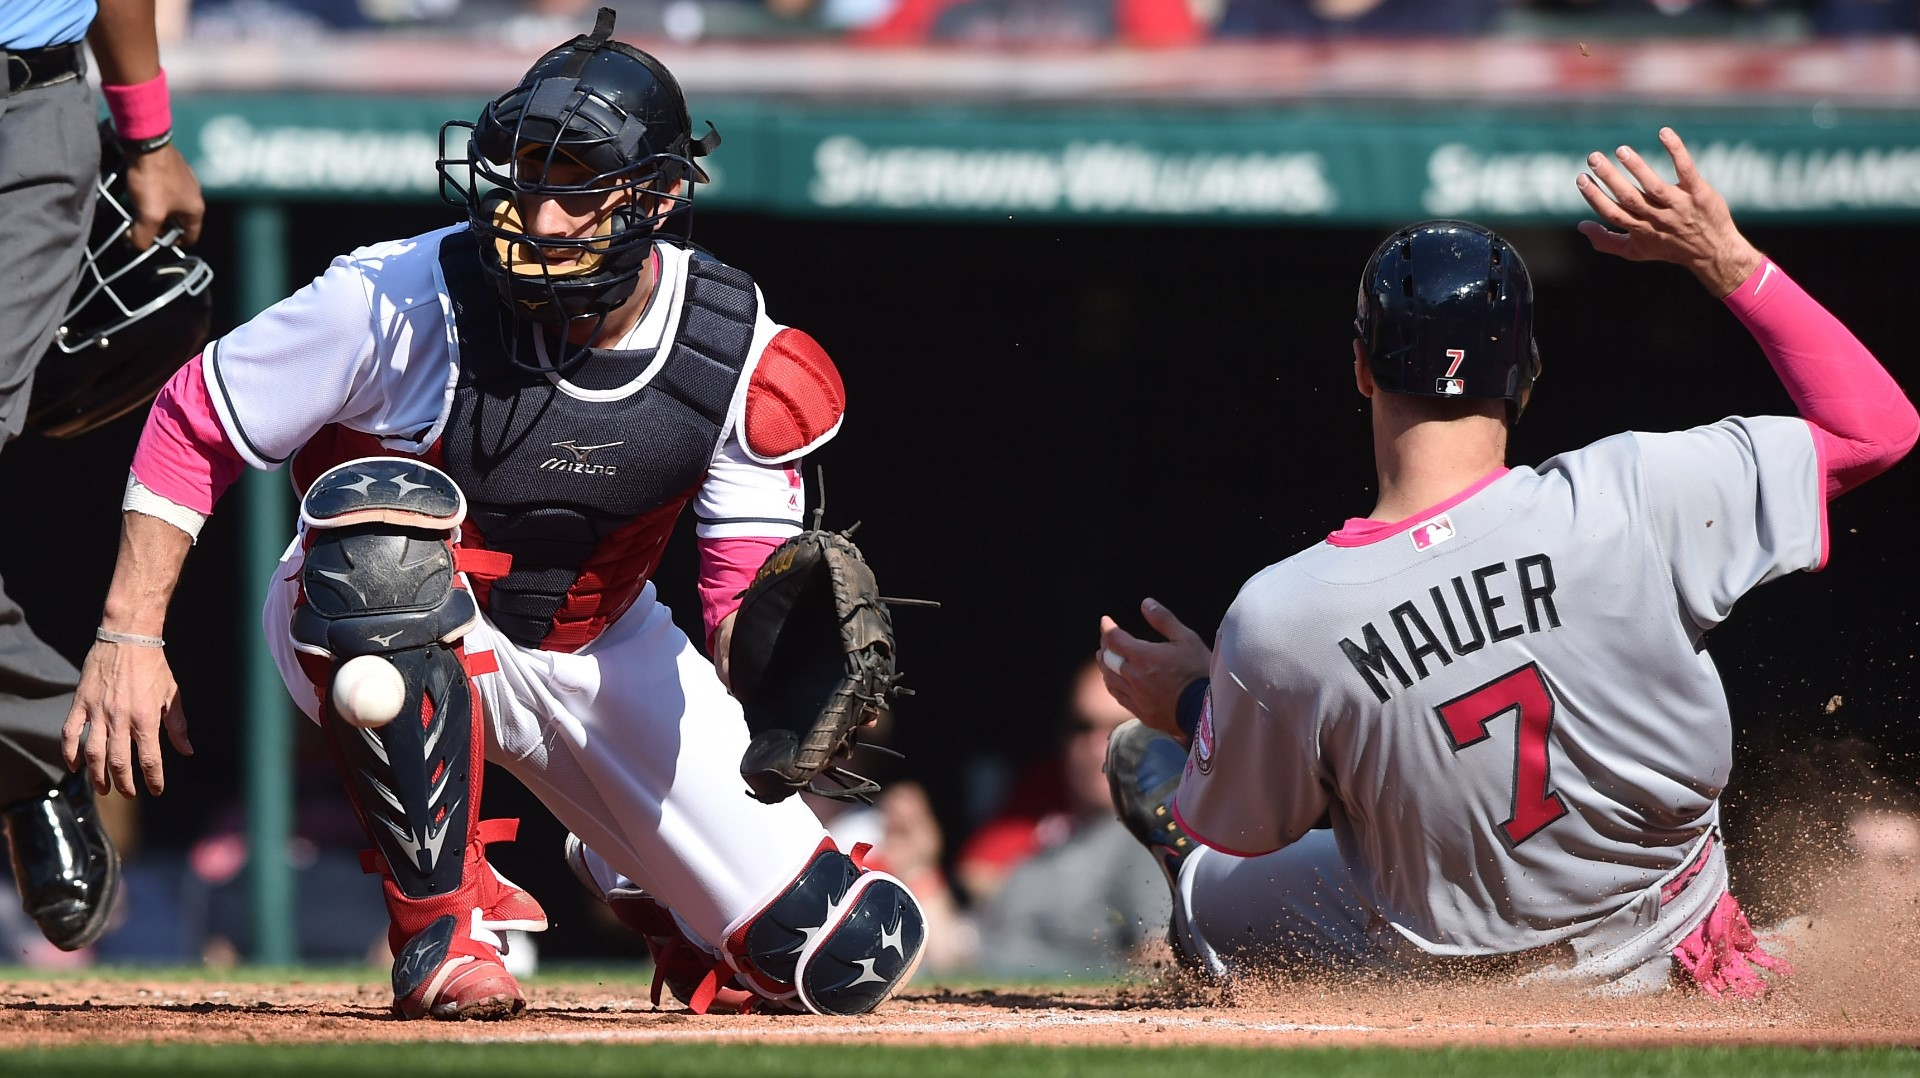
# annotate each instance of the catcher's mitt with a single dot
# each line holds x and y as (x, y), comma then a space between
(811, 661)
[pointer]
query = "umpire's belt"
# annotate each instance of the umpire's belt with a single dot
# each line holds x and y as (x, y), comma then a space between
(30, 69)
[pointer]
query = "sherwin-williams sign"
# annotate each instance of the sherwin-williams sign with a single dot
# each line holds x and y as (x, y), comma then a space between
(1348, 164)
(1078, 177)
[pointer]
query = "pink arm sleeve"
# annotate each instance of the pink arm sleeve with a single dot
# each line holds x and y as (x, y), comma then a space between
(726, 568)
(184, 453)
(1862, 422)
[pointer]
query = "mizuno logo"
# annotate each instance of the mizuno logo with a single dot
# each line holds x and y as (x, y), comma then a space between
(582, 452)
(578, 465)
(412, 966)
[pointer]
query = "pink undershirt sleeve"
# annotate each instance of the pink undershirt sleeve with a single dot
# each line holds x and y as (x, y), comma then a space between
(726, 568)
(184, 454)
(1862, 422)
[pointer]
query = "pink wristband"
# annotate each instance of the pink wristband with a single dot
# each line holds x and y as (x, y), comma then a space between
(140, 111)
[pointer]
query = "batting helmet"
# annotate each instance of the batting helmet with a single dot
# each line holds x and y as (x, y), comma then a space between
(134, 318)
(1446, 310)
(597, 104)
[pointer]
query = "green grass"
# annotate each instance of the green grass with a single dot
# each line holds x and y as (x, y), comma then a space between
(999, 1061)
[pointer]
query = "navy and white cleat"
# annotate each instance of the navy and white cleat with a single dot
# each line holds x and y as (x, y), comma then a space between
(868, 948)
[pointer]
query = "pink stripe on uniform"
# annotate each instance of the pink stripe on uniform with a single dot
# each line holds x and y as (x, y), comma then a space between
(726, 568)
(184, 454)
(1862, 422)
(1360, 531)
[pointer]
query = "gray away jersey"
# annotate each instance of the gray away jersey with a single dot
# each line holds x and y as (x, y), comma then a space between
(1507, 705)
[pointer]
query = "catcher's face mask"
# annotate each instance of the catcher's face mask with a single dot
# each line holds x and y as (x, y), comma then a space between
(596, 136)
(134, 318)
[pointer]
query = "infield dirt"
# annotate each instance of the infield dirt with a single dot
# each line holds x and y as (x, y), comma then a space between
(1856, 982)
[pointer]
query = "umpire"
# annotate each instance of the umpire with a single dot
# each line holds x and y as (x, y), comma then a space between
(66, 868)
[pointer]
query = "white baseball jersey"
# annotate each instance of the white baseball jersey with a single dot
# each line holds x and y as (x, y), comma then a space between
(373, 344)
(1505, 704)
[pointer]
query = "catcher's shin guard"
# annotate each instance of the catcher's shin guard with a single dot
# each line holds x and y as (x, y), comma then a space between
(381, 581)
(840, 939)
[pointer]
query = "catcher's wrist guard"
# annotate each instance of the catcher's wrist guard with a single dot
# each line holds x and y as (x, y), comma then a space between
(811, 661)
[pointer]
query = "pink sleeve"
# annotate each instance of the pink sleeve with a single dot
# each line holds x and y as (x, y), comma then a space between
(726, 568)
(184, 453)
(1862, 422)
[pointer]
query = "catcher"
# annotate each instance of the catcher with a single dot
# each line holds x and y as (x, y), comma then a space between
(496, 425)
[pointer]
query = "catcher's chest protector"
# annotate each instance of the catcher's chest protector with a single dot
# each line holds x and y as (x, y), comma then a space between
(583, 493)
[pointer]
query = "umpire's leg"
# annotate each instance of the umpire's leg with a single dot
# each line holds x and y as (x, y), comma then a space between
(36, 687)
(66, 870)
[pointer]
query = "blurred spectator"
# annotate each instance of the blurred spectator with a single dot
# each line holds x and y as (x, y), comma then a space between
(1356, 18)
(1144, 23)
(223, 20)
(1059, 892)
(537, 22)
(837, 16)
(1847, 18)
(1674, 16)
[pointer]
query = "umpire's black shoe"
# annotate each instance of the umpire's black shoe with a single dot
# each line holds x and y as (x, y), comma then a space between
(1143, 771)
(63, 863)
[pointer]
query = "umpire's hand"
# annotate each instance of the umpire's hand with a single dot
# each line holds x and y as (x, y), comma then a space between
(1648, 219)
(163, 187)
(1147, 676)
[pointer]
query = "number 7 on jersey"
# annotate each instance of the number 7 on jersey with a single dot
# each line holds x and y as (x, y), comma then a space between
(1466, 717)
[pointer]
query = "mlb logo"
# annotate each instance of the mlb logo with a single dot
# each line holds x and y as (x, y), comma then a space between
(1450, 387)
(1202, 753)
(1431, 533)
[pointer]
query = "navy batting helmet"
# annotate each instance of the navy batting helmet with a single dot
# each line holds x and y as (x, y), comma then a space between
(1446, 310)
(592, 103)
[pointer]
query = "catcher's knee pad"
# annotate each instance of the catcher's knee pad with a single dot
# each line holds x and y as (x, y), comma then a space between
(381, 588)
(380, 574)
(840, 938)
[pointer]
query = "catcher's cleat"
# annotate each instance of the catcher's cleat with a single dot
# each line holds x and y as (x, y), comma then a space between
(510, 908)
(1143, 771)
(869, 946)
(444, 972)
(703, 983)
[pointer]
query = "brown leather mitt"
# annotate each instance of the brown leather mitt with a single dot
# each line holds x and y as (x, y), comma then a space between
(811, 662)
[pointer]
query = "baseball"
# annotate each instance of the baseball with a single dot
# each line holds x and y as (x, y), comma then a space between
(368, 691)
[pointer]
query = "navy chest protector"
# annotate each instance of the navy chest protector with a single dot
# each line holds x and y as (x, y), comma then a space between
(552, 479)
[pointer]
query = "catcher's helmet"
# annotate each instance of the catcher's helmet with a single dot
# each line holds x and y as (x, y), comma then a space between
(135, 316)
(594, 103)
(1446, 310)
